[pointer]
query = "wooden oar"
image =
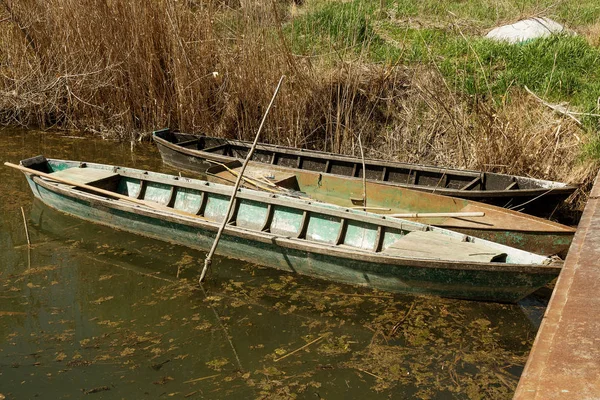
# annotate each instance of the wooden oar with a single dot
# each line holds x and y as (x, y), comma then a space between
(371, 208)
(438, 215)
(108, 193)
(208, 259)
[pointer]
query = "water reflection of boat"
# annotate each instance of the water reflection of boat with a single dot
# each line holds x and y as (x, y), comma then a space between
(533, 196)
(319, 240)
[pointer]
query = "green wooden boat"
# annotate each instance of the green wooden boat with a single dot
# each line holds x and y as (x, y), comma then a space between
(498, 224)
(320, 240)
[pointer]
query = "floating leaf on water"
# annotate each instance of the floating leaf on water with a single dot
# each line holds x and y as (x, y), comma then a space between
(102, 300)
(127, 351)
(163, 380)
(213, 299)
(335, 345)
(60, 356)
(203, 326)
(156, 351)
(218, 363)
(10, 313)
(109, 323)
(277, 286)
(38, 270)
(280, 351)
(238, 303)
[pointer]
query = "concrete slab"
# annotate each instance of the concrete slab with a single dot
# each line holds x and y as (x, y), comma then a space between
(564, 362)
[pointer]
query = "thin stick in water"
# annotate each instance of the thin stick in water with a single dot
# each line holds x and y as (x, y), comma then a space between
(208, 259)
(301, 348)
(202, 379)
(26, 229)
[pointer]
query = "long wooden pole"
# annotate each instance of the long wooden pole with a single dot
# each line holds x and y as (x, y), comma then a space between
(208, 259)
(434, 215)
(364, 172)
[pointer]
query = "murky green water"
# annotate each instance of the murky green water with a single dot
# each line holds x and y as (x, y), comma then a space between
(90, 311)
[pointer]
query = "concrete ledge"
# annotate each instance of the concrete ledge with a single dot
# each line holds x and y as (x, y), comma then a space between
(564, 362)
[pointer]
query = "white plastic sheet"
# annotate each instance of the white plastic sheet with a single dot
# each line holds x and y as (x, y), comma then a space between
(527, 29)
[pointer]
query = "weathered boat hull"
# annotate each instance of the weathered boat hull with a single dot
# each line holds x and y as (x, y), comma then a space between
(532, 196)
(471, 284)
(479, 281)
(499, 225)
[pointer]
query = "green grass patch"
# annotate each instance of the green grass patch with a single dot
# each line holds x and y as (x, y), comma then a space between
(334, 25)
(560, 68)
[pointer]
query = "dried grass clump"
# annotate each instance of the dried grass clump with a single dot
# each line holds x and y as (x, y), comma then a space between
(130, 67)
(592, 34)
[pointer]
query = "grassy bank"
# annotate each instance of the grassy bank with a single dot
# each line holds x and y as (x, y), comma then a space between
(414, 78)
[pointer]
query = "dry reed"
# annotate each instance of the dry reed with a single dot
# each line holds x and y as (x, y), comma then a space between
(125, 68)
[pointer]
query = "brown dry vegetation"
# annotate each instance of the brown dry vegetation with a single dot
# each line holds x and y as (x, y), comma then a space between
(123, 68)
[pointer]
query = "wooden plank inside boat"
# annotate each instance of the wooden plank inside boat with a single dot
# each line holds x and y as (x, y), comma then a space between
(435, 245)
(85, 176)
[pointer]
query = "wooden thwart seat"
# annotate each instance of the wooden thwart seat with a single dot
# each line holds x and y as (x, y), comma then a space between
(86, 176)
(434, 245)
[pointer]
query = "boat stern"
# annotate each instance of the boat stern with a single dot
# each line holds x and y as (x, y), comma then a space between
(38, 163)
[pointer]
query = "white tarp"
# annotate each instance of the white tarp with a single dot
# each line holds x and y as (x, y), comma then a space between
(527, 29)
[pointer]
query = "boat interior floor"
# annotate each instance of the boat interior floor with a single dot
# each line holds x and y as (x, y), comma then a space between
(435, 245)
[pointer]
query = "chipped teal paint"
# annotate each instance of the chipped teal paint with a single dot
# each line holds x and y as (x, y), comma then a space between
(361, 235)
(323, 228)
(129, 187)
(59, 166)
(157, 192)
(187, 200)
(251, 214)
(391, 235)
(216, 207)
(286, 221)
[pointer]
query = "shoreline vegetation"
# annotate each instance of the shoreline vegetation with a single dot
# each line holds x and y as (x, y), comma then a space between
(414, 78)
